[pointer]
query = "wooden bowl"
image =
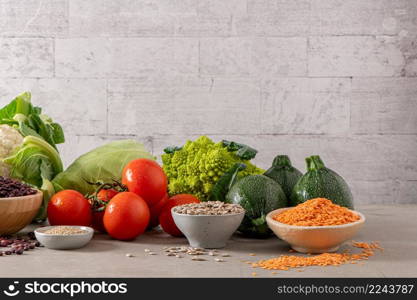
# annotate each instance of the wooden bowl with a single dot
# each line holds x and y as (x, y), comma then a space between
(17, 212)
(314, 239)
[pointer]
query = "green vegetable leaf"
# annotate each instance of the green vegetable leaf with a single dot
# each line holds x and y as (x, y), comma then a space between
(19, 105)
(223, 185)
(172, 149)
(48, 191)
(259, 221)
(34, 161)
(103, 164)
(243, 151)
(30, 121)
(58, 133)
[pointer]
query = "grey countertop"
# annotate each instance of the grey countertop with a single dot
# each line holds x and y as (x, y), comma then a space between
(395, 227)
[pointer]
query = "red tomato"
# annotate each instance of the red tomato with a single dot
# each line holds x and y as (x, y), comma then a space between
(165, 218)
(69, 207)
(126, 216)
(156, 211)
(145, 178)
(106, 195)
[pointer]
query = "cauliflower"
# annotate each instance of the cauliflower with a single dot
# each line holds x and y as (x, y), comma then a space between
(10, 139)
(196, 167)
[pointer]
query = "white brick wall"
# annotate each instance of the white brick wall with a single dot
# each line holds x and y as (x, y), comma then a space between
(329, 77)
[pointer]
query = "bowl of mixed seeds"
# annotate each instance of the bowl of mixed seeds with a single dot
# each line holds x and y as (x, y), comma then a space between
(208, 224)
(19, 204)
(64, 237)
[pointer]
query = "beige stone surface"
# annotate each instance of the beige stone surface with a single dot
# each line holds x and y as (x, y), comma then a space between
(393, 226)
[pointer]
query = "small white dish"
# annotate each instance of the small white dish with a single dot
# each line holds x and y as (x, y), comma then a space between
(207, 231)
(314, 239)
(64, 242)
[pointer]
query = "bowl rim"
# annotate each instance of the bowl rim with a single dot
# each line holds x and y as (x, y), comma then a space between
(271, 220)
(39, 192)
(227, 215)
(40, 230)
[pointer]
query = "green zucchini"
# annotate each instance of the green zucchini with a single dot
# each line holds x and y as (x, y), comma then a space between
(258, 195)
(321, 182)
(284, 173)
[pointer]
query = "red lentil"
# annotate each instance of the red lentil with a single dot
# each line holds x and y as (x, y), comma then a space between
(317, 212)
(286, 262)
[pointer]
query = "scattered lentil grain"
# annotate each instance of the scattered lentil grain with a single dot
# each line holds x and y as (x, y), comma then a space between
(286, 262)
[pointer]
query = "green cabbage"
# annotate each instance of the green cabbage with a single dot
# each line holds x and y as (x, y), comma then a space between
(102, 164)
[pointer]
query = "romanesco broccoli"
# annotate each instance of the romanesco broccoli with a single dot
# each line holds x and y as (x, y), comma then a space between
(198, 165)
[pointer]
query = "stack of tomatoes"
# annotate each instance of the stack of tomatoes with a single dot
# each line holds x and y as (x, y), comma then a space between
(124, 210)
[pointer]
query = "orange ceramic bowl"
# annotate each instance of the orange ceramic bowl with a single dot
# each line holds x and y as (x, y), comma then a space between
(17, 212)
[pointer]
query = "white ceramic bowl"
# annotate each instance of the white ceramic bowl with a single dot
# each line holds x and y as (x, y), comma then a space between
(207, 231)
(17, 212)
(64, 242)
(314, 239)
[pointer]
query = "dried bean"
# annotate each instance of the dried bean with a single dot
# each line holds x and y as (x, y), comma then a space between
(14, 188)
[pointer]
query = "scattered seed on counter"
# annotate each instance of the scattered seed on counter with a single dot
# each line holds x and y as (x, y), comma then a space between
(211, 208)
(287, 262)
(196, 258)
(197, 254)
(151, 253)
(129, 255)
(18, 244)
(147, 250)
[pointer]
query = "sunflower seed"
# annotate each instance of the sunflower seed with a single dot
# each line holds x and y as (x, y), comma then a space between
(129, 255)
(209, 208)
(219, 260)
(195, 258)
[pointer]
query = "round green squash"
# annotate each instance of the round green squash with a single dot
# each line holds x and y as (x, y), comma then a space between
(258, 195)
(284, 173)
(321, 182)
